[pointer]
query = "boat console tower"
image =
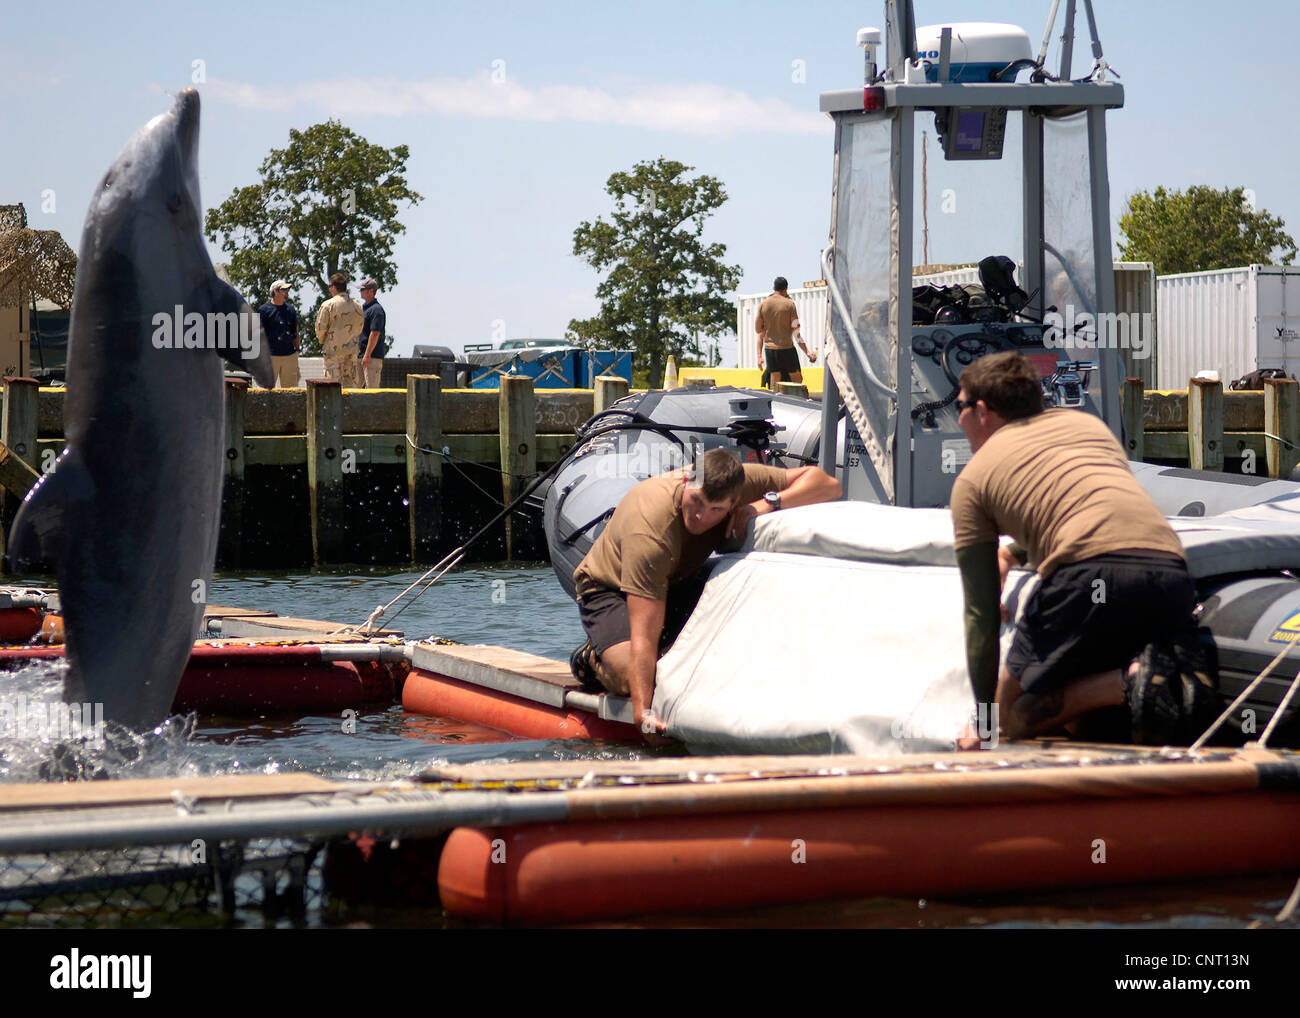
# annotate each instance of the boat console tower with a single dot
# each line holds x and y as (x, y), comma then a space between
(894, 363)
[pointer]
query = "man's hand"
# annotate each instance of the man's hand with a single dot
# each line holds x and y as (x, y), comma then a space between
(740, 517)
(653, 729)
(812, 355)
(760, 360)
(365, 362)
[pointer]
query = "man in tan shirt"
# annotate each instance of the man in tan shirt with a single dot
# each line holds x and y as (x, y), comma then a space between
(777, 326)
(662, 532)
(338, 323)
(1113, 579)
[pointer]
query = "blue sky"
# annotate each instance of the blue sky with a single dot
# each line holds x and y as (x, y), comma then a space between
(509, 168)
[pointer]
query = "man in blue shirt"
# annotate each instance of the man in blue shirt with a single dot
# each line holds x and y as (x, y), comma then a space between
(370, 344)
(280, 326)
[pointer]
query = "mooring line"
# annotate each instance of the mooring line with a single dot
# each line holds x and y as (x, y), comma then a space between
(1241, 697)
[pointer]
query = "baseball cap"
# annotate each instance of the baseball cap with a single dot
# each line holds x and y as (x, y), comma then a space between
(280, 284)
(368, 284)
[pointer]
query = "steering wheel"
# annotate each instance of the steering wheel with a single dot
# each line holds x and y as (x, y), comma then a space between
(968, 349)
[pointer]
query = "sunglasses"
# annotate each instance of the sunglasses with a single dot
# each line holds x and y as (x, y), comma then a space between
(962, 404)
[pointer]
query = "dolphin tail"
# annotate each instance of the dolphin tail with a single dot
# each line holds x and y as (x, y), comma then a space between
(256, 357)
(38, 534)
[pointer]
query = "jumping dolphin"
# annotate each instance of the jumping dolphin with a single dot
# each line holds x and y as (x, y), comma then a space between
(130, 513)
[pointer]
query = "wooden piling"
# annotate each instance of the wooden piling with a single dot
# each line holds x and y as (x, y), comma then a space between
(1282, 418)
(518, 429)
(1204, 424)
(18, 433)
(609, 389)
(424, 469)
(16, 477)
(325, 469)
(1133, 403)
(230, 543)
(794, 389)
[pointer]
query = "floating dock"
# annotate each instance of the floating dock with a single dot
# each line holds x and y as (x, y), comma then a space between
(575, 841)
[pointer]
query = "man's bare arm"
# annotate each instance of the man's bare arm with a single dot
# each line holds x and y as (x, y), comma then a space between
(808, 486)
(647, 623)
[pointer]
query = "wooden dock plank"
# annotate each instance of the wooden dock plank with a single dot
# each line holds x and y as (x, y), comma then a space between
(511, 671)
(138, 791)
(215, 611)
(284, 627)
(704, 768)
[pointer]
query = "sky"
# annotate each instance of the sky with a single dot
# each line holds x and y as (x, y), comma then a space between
(516, 115)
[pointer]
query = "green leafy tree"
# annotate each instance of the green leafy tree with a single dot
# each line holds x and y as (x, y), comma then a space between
(1200, 229)
(326, 203)
(664, 287)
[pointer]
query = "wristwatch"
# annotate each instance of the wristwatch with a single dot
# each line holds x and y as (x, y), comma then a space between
(773, 498)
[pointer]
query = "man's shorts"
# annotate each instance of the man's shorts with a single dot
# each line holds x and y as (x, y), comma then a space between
(1096, 615)
(782, 360)
(604, 613)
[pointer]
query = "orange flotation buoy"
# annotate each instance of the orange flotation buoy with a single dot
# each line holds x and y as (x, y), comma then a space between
(439, 696)
(571, 872)
(18, 625)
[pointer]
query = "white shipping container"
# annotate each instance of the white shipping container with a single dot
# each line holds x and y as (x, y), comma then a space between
(1233, 321)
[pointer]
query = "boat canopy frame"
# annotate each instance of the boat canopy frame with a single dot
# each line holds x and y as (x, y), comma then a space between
(1066, 227)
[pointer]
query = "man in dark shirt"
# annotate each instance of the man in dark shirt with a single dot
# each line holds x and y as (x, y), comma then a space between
(370, 344)
(280, 326)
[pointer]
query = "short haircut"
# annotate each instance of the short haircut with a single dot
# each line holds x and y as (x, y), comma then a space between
(339, 280)
(719, 474)
(1008, 383)
(779, 283)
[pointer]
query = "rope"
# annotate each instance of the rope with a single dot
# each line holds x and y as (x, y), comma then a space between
(584, 437)
(1245, 693)
(1280, 710)
(1288, 910)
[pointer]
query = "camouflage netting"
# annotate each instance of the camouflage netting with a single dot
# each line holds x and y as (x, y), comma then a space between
(261, 880)
(33, 263)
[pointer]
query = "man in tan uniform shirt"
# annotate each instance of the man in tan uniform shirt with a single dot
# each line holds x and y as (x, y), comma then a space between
(663, 531)
(338, 323)
(1113, 579)
(777, 326)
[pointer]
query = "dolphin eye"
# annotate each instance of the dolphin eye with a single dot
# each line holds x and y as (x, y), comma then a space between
(173, 202)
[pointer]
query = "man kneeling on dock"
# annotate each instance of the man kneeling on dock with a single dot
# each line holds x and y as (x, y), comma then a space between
(640, 581)
(1113, 579)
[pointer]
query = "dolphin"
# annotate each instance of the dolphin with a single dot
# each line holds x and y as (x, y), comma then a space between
(130, 513)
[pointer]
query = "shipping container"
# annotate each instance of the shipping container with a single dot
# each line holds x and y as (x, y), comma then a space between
(1233, 321)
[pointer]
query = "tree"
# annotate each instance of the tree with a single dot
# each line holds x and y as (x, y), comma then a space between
(665, 286)
(327, 203)
(1199, 229)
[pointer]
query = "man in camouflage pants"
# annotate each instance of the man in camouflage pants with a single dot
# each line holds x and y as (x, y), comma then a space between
(337, 325)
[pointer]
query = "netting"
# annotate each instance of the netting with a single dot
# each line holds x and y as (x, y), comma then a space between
(268, 880)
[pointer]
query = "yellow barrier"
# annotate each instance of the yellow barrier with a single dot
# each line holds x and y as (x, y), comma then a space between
(746, 378)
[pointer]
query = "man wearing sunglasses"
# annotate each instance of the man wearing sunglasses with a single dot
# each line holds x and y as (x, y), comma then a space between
(1113, 579)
